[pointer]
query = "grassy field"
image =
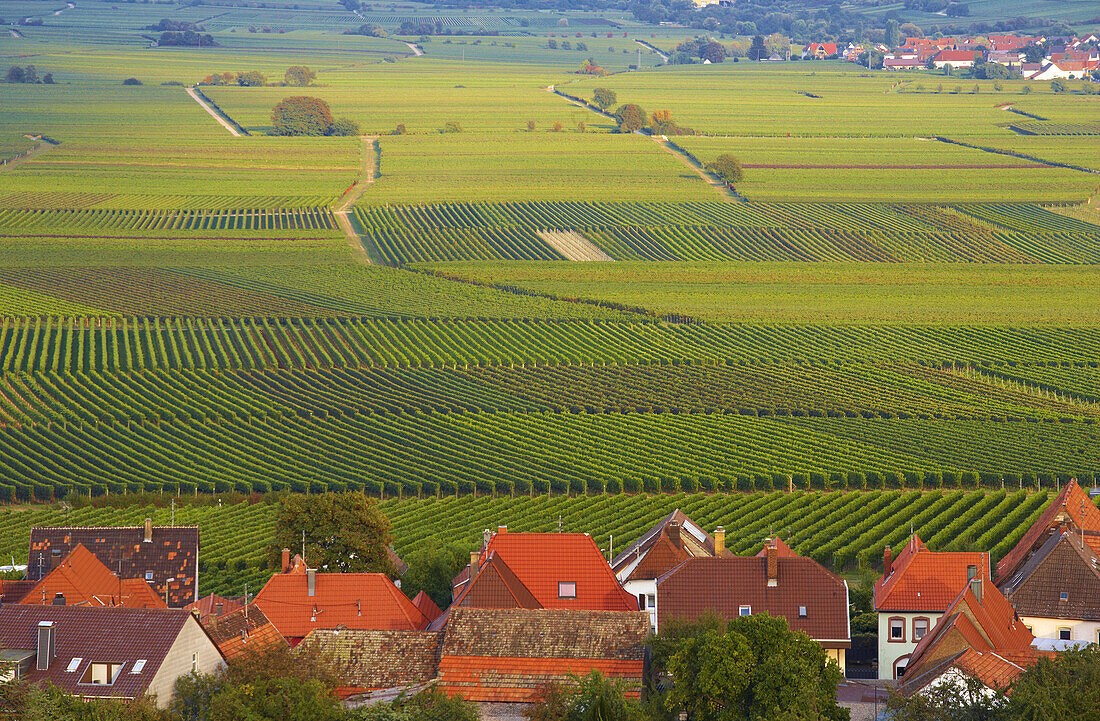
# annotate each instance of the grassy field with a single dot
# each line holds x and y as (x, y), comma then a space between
(819, 293)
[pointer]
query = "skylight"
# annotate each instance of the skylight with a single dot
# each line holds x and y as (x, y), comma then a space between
(138, 666)
(74, 664)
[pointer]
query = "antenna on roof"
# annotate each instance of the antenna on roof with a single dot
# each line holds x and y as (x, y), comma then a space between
(304, 544)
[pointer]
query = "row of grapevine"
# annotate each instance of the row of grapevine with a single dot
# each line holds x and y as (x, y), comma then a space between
(1046, 127)
(835, 528)
(170, 203)
(796, 390)
(82, 344)
(1026, 218)
(438, 244)
(233, 219)
(506, 453)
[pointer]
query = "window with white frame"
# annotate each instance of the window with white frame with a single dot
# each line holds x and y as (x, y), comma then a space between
(802, 612)
(101, 674)
(567, 589)
(1065, 633)
(651, 600)
(920, 628)
(744, 610)
(897, 629)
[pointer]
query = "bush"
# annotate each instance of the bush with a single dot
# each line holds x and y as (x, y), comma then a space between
(301, 115)
(630, 118)
(299, 75)
(344, 126)
(131, 81)
(452, 127)
(727, 168)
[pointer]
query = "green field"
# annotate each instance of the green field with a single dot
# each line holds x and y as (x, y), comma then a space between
(819, 293)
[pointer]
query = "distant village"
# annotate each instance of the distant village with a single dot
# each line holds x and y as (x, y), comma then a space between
(116, 612)
(1030, 58)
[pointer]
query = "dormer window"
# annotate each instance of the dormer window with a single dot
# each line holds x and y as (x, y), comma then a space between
(101, 674)
(567, 589)
(744, 611)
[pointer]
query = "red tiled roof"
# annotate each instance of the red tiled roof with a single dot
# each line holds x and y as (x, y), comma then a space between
(782, 549)
(958, 56)
(208, 605)
(84, 581)
(115, 635)
(172, 552)
(353, 600)
(828, 48)
(236, 631)
(427, 606)
(924, 580)
(995, 645)
(723, 585)
(538, 562)
(1071, 506)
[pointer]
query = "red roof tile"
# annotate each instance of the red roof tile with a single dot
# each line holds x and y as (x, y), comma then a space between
(540, 561)
(208, 605)
(238, 630)
(924, 580)
(353, 600)
(958, 56)
(1071, 506)
(427, 606)
(83, 580)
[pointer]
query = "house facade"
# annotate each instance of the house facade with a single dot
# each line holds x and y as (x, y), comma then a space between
(915, 590)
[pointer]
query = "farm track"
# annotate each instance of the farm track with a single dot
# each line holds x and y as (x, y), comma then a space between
(654, 48)
(214, 113)
(719, 187)
(573, 245)
(369, 152)
(29, 155)
(417, 52)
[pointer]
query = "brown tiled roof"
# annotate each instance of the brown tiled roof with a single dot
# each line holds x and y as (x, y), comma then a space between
(504, 655)
(924, 580)
(113, 635)
(723, 585)
(689, 537)
(236, 631)
(369, 660)
(495, 586)
(659, 559)
(1071, 507)
(81, 579)
(1061, 565)
(208, 605)
(173, 552)
(14, 591)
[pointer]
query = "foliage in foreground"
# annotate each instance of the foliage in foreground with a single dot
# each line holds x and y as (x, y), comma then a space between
(589, 698)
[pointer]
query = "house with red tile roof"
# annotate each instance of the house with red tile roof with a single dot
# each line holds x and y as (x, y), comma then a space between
(916, 589)
(672, 541)
(979, 636)
(106, 652)
(214, 605)
(540, 570)
(1052, 575)
(957, 58)
(784, 584)
(427, 606)
(240, 630)
(165, 557)
(300, 600)
(1065, 70)
(81, 579)
(820, 51)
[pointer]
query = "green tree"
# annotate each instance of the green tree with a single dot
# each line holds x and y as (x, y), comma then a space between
(967, 701)
(604, 98)
(757, 51)
(892, 34)
(343, 531)
(344, 126)
(299, 75)
(252, 79)
(630, 118)
(593, 697)
(1058, 85)
(710, 672)
(1062, 688)
(432, 568)
(727, 168)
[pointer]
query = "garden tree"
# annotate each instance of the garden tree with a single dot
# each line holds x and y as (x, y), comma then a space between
(30, 75)
(432, 568)
(757, 51)
(603, 98)
(1034, 54)
(299, 75)
(343, 532)
(753, 667)
(273, 683)
(892, 38)
(251, 79)
(727, 168)
(713, 52)
(1064, 687)
(966, 701)
(593, 697)
(430, 705)
(630, 118)
(872, 59)
(1058, 85)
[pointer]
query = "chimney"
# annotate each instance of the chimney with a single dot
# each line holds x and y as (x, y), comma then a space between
(976, 587)
(286, 560)
(475, 562)
(887, 561)
(218, 609)
(148, 530)
(674, 532)
(311, 582)
(45, 645)
(502, 529)
(719, 541)
(58, 599)
(773, 565)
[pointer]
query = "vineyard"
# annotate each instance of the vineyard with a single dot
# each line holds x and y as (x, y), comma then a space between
(126, 344)
(806, 232)
(210, 219)
(836, 528)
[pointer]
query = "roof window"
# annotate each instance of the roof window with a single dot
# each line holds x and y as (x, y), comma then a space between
(74, 664)
(1063, 596)
(567, 589)
(744, 611)
(802, 612)
(139, 666)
